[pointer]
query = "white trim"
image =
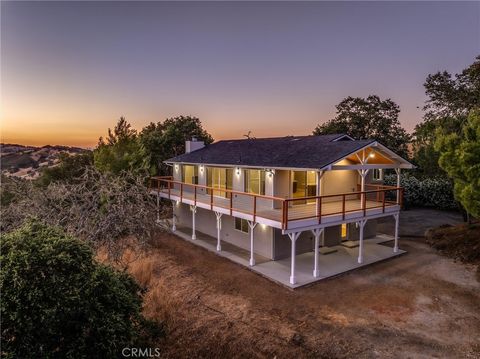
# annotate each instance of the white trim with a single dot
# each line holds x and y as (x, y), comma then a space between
(342, 137)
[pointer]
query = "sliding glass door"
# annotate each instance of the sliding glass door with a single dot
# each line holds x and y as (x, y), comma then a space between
(303, 185)
(221, 179)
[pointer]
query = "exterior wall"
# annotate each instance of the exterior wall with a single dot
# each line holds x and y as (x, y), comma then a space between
(282, 245)
(342, 181)
(369, 231)
(206, 222)
(281, 185)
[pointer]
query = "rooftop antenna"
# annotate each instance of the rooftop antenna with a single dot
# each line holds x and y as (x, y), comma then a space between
(249, 135)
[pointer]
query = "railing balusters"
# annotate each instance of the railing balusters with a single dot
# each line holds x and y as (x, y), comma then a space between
(383, 202)
(211, 200)
(160, 182)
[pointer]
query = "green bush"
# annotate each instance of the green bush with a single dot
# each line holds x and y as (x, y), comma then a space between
(427, 192)
(59, 302)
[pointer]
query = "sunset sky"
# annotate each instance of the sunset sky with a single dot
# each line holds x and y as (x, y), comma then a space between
(69, 70)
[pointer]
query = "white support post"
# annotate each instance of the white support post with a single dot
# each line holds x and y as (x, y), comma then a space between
(397, 220)
(219, 227)
(319, 189)
(398, 170)
(194, 211)
(360, 247)
(293, 238)
(316, 233)
(252, 226)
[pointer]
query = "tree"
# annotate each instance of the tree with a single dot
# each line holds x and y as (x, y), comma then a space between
(370, 117)
(70, 168)
(166, 139)
(59, 302)
(99, 208)
(450, 100)
(460, 158)
(121, 151)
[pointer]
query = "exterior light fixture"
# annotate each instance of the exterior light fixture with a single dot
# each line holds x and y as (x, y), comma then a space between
(270, 172)
(238, 171)
(201, 168)
(371, 155)
(176, 167)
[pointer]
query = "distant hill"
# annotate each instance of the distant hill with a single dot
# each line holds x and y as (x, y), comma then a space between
(28, 161)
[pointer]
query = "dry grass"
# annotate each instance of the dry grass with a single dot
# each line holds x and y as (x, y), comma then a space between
(213, 308)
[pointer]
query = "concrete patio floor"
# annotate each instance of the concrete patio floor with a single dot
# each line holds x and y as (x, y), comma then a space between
(330, 265)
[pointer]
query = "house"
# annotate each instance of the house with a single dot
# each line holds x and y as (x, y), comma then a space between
(280, 198)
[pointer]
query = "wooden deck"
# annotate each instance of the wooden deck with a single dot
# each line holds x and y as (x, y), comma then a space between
(299, 215)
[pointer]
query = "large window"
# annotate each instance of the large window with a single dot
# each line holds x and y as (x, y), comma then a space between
(221, 179)
(241, 225)
(190, 174)
(255, 181)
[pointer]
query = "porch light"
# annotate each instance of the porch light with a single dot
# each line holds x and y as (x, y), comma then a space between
(176, 167)
(201, 168)
(270, 172)
(371, 155)
(238, 171)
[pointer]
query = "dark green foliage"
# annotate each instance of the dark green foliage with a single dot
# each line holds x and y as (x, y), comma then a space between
(450, 99)
(58, 302)
(166, 139)
(371, 118)
(71, 168)
(460, 158)
(425, 192)
(120, 151)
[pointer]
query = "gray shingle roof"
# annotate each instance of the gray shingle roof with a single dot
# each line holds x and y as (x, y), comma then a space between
(279, 152)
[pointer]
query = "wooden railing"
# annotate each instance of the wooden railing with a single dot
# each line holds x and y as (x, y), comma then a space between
(249, 203)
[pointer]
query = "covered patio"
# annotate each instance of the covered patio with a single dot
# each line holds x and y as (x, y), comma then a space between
(329, 265)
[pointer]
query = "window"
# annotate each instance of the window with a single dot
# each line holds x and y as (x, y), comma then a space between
(190, 174)
(377, 174)
(221, 178)
(344, 231)
(255, 181)
(241, 225)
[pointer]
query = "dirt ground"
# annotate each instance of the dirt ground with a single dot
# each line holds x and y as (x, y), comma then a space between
(419, 305)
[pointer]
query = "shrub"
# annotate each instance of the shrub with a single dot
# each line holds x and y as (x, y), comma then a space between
(99, 208)
(427, 192)
(58, 302)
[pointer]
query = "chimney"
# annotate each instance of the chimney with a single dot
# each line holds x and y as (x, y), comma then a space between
(193, 145)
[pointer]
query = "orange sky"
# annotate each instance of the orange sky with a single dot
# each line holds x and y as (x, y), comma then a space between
(69, 70)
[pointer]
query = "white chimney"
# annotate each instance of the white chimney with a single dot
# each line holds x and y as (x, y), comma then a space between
(193, 145)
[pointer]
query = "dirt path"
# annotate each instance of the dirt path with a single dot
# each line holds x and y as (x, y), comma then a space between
(419, 305)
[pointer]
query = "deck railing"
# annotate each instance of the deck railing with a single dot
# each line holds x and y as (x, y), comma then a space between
(269, 207)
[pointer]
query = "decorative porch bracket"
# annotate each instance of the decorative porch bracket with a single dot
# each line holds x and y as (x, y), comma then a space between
(293, 237)
(194, 211)
(361, 224)
(317, 233)
(252, 226)
(219, 227)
